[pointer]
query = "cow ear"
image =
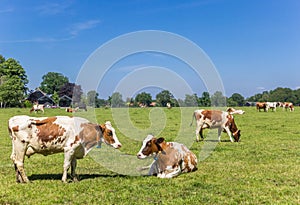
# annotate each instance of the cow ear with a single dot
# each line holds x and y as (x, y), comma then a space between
(160, 140)
(102, 127)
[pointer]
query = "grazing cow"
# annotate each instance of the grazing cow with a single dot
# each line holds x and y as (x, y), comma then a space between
(216, 119)
(272, 105)
(262, 105)
(74, 136)
(170, 158)
(288, 105)
(36, 108)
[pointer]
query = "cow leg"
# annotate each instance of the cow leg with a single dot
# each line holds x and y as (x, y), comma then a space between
(73, 167)
(17, 157)
(153, 169)
(170, 172)
(199, 131)
(67, 164)
(219, 133)
(229, 134)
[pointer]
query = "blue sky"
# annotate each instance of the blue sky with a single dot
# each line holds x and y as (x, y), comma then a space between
(254, 45)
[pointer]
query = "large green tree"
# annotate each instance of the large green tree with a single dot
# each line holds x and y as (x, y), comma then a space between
(116, 100)
(144, 98)
(204, 100)
(236, 99)
(92, 97)
(13, 82)
(165, 97)
(52, 82)
(218, 99)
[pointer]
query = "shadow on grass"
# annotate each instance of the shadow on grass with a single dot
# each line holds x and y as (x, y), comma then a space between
(81, 177)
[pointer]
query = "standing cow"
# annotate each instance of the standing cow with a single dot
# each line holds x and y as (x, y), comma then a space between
(221, 120)
(74, 136)
(262, 105)
(36, 108)
(170, 158)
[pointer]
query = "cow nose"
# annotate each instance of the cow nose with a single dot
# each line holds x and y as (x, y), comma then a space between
(138, 155)
(119, 146)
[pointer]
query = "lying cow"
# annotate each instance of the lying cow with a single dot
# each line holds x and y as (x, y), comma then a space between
(216, 119)
(74, 136)
(170, 158)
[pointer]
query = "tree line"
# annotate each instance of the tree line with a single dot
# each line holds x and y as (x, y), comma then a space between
(14, 92)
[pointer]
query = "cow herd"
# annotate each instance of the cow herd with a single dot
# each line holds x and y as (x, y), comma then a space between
(265, 106)
(76, 136)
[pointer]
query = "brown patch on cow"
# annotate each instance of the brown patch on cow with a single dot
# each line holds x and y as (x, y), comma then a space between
(89, 135)
(107, 134)
(15, 128)
(212, 115)
(47, 130)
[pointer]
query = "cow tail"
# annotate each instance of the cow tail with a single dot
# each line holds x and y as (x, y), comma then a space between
(193, 116)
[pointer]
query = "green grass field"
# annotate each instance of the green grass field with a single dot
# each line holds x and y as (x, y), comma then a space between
(263, 168)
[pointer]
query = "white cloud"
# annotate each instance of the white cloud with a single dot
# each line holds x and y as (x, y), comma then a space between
(78, 27)
(53, 8)
(260, 88)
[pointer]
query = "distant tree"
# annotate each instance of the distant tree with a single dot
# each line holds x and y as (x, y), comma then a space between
(13, 81)
(116, 100)
(255, 98)
(144, 98)
(297, 96)
(55, 98)
(237, 98)
(2, 59)
(204, 101)
(52, 82)
(101, 103)
(92, 97)
(191, 100)
(218, 99)
(165, 97)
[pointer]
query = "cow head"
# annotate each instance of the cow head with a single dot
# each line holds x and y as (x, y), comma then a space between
(236, 133)
(109, 135)
(150, 145)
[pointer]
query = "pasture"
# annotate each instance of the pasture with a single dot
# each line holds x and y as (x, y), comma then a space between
(263, 168)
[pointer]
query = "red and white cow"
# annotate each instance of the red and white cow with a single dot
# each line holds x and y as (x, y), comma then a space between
(74, 136)
(272, 105)
(288, 105)
(262, 105)
(36, 108)
(216, 119)
(170, 158)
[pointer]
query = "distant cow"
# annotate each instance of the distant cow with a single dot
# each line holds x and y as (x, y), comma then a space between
(170, 158)
(288, 106)
(262, 105)
(69, 109)
(216, 119)
(74, 136)
(36, 108)
(272, 105)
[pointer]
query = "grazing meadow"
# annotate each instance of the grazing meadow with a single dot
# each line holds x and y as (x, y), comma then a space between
(263, 168)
